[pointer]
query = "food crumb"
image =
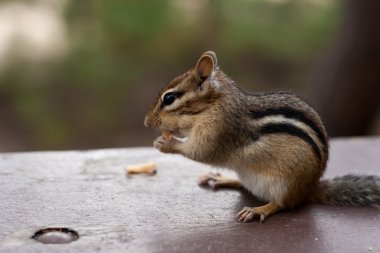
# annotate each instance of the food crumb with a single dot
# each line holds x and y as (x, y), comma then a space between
(166, 135)
(146, 168)
(370, 248)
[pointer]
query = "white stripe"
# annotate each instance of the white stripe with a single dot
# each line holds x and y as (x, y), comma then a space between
(278, 119)
(180, 139)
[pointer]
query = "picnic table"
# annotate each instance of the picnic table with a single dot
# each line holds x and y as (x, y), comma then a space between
(82, 201)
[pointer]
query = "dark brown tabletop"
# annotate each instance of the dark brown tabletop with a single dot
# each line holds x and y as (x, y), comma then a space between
(88, 192)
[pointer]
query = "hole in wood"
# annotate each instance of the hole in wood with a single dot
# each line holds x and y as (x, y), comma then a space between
(55, 235)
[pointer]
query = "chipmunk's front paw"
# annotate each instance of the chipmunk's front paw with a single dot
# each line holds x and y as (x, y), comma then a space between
(166, 145)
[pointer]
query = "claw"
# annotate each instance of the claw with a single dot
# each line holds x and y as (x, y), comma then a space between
(262, 218)
(249, 216)
(241, 212)
(246, 214)
(243, 215)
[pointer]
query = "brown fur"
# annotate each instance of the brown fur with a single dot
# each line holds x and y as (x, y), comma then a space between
(279, 165)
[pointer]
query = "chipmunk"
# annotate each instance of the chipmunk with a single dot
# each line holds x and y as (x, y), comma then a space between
(275, 142)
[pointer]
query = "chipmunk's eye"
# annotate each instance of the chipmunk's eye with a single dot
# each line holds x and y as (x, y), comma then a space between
(169, 98)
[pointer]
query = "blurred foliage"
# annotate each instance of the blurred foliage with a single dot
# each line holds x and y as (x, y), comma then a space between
(122, 52)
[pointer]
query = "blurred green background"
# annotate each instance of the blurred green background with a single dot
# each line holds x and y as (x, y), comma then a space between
(82, 74)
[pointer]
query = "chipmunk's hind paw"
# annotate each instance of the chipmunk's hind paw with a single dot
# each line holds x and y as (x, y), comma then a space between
(215, 180)
(261, 212)
(248, 213)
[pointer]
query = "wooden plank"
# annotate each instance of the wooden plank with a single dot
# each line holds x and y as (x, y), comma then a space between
(168, 212)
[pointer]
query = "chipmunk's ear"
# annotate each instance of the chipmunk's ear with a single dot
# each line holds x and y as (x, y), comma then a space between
(205, 65)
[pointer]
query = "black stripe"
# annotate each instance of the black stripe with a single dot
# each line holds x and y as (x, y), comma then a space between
(274, 128)
(292, 114)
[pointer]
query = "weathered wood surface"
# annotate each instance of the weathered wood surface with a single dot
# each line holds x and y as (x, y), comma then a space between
(89, 192)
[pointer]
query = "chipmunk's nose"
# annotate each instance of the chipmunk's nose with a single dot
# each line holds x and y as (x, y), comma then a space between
(147, 122)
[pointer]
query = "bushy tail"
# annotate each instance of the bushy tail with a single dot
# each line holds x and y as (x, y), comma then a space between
(349, 190)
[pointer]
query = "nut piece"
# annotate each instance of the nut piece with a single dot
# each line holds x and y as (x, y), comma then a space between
(147, 168)
(166, 135)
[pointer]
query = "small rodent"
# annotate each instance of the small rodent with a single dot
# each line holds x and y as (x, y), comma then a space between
(275, 142)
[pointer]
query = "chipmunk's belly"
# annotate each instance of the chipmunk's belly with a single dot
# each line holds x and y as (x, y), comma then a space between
(262, 186)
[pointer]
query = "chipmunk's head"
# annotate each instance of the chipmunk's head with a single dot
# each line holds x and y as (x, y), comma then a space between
(185, 98)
